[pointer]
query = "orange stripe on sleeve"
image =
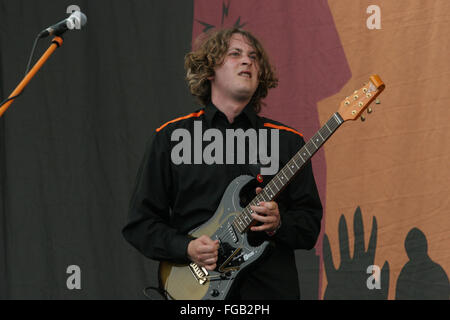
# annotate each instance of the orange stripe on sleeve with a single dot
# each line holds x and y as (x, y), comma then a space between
(271, 125)
(198, 114)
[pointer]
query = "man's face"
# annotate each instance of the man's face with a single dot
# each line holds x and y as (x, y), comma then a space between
(238, 76)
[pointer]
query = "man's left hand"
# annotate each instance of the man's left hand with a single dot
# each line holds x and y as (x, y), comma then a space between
(266, 213)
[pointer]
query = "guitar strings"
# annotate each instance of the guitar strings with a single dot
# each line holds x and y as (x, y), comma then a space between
(227, 235)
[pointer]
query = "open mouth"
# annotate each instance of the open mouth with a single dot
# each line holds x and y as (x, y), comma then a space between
(245, 74)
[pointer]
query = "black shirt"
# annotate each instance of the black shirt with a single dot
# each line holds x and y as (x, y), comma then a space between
(169, 200)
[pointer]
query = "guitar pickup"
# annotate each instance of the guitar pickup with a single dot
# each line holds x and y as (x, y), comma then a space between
(232, 233)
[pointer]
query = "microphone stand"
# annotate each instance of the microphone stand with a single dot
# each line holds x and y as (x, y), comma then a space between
(56, 43)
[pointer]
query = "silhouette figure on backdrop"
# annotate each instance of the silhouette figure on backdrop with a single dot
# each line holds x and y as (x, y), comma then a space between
(349, 281)
(421, 277)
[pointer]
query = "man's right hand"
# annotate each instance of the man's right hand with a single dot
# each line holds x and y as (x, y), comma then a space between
(204, 251)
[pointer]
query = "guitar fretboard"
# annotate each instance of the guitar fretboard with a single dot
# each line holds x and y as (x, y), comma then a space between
(243, 221)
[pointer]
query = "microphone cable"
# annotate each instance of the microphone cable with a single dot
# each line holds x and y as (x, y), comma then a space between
(26, 71)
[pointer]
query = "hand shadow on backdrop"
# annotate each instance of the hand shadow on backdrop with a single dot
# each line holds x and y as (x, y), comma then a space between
(349, 281)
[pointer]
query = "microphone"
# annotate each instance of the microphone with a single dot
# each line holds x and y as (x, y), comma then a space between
(75, 21)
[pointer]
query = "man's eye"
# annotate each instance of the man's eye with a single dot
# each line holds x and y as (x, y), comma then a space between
(234, 53)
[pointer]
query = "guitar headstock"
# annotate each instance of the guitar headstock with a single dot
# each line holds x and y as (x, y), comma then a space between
(354, 105)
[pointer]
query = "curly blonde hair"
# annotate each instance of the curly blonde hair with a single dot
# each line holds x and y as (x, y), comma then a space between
(200, 63)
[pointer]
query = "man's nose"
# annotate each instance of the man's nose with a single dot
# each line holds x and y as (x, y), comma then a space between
(246, 60)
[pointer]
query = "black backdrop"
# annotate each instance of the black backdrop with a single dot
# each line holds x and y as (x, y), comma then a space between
(71, 145)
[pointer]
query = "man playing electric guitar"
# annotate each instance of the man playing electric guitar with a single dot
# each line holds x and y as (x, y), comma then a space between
(180, 183)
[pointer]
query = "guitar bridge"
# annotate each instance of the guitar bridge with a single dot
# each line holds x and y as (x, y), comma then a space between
(200, 273)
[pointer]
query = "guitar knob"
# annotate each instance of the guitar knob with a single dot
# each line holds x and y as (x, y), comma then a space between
(215, 293)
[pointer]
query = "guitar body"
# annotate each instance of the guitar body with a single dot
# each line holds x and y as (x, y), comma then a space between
(189, 282)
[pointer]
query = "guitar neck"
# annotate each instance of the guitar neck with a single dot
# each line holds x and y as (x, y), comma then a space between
(270, 192)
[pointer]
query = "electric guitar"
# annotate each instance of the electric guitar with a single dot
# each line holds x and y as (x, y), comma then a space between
(231, 222)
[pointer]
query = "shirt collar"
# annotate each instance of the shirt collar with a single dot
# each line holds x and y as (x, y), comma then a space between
(211, 111)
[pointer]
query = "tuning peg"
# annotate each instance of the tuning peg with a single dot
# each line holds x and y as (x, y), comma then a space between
(369, 110)
(363, 118)
(378, 101)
